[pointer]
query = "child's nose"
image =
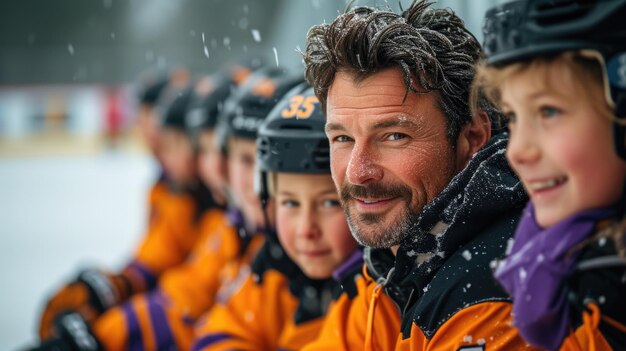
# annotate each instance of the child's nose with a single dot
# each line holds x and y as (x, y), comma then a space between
(522, 148)
(308, 226)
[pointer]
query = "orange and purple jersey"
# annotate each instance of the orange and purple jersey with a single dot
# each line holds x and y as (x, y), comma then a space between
(277, 308)
(164, 318)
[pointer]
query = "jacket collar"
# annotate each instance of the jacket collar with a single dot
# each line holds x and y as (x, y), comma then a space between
(483, 191)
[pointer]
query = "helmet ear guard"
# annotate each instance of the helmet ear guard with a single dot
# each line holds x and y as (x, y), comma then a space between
(523, 29)
(615, 70)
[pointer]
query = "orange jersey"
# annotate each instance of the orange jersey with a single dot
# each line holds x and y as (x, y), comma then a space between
(254, 318)
(158, 192)
(169, 239)
(163, 318)
(346, 328)
(278, 307)
(220, 259)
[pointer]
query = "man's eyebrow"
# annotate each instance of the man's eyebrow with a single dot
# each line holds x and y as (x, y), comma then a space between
(402, 121)
(397, 122)
(331, 127)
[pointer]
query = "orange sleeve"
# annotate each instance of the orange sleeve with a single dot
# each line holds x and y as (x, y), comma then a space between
(157, 194)
(193, 285)
(168, 240)
(164, 318)
(146, 322)
(252, 319)
(296, 336)
(346, 325)
(485, 326)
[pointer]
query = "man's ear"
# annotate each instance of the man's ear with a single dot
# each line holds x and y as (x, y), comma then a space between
(472, 138)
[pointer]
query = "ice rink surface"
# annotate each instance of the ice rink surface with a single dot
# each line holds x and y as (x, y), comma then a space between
(59, 214)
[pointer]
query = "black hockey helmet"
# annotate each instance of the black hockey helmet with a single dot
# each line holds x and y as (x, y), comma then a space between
(522, 29)
(175, 112)
(152, 83)
(207, 100)
(292, 138)
(246, 108)
(151, 89)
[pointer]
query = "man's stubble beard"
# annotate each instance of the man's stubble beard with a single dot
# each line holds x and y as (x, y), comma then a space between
(371, 229)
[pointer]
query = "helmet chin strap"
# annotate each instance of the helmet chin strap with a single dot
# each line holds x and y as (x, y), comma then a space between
(619, 128)
(264, 197)
(619, 144)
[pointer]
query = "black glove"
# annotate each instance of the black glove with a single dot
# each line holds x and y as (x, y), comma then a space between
(74, 334)
(92, 293)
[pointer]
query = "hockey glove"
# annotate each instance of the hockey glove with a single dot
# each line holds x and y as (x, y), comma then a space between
(92, 293)
(74, 334)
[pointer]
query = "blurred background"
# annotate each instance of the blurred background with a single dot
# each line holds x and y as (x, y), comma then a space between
(74, 173)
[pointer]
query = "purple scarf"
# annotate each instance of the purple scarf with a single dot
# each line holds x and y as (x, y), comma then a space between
(535, 270)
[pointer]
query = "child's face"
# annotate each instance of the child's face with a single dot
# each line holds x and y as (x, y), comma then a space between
(241, 162)
(208, 165)
(560, 144)
(311, 224)
(177, 155)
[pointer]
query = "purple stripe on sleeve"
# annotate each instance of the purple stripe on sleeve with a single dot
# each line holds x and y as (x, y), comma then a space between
(135, 339)
(149, 278)
(209, 340)
(160, 325)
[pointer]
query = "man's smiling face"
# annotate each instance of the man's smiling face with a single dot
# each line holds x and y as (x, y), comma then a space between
(389, 157)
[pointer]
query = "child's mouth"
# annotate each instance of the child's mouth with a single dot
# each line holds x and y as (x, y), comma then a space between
(546, 184)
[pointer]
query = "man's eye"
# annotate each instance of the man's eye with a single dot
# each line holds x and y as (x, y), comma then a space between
(343, 139)
(396, 136)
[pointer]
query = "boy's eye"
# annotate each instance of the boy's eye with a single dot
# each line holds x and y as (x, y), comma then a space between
(396, 136)
(289, 203)
(331, 203)
(247, 160)
(549, 111)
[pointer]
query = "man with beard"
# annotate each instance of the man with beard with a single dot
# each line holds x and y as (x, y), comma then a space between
(422, 178)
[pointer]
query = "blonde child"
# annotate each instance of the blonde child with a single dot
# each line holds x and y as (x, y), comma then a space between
(557, 72)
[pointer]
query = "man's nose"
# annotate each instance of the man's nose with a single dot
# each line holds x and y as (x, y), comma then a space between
(363, 166)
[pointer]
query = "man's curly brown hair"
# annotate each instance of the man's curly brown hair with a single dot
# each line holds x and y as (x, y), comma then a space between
(432, 47)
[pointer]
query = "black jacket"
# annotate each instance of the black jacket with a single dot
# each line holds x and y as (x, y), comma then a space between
(444, 266)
